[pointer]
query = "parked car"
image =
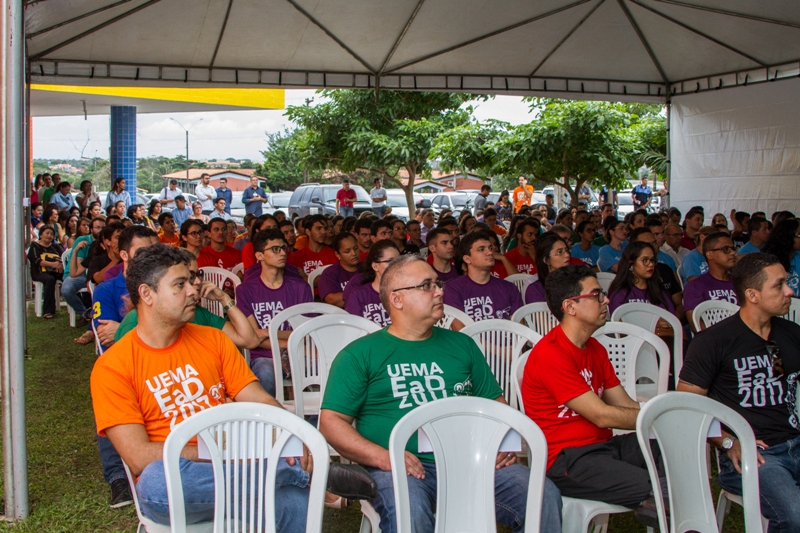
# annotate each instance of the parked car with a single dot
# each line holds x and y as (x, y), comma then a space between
(396, 199)
(316, 199)
(140, 198)
(280, 200)
(455, 201)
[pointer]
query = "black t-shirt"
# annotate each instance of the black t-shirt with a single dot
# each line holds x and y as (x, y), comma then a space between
(731, 362)
(95, 264)
(739, 240)
(668, 279)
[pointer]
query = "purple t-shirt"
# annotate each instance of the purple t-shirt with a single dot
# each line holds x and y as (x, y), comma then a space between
(706, 287)
(353, 284)
(253, 297)
(498, 298)
(333, 279)
(453, 274)
(534, 292)
(636, 294)
(365, 301)
(113, 272)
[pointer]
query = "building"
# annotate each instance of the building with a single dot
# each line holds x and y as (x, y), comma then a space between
(441, 182)
(238, 178)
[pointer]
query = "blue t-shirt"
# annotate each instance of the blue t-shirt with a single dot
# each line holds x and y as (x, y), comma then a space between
(794, 274)
(228, 195)
(609, 257)
(666, 260)
(589, 256)
(748, 248)
(694, 264)
(108, 301)
(641, 195)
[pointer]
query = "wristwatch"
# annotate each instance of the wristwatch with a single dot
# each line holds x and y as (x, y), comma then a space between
(727, 443)
(230, 304)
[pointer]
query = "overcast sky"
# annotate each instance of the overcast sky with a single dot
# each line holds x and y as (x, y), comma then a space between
(221, 134)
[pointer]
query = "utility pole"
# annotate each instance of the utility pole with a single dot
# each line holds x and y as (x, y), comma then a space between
(187, 145)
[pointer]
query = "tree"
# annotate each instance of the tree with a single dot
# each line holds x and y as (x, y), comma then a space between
(286, 164)
(379, 132)
(650, 138)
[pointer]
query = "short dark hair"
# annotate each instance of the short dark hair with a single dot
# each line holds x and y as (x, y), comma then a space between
(218, 199)
(489, 212)
(173, 182)
(748, 273)
(565, 283)
(434, 234)
(216, 219)
(485, 188)
(527, 223)
(132, 232)
(755, 224)
(412, 222)
(163, 217)
(581, 226)
(148, 268)
(635, 233)
(180, 197)
(468, 240)
(260, 240)
(653, 221)
(340, 237)
(378, 224)
(362, 223)
(712, 240)
(693, 212)
(223, 179)
(309, 222)
(285, 222)
(447, 221)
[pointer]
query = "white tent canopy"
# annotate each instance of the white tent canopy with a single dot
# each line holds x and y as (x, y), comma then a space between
(598, 49)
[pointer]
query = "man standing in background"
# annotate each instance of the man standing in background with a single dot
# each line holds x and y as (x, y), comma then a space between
(168, 194)
(523, 194)
(345, 200)
(224, 192)
(378, 197)
(205, 193)
(254, 197)
(480, 200)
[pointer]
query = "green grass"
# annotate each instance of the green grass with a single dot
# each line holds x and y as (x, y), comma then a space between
(67, 490)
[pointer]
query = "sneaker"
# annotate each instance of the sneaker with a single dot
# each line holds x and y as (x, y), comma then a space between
(120, 494)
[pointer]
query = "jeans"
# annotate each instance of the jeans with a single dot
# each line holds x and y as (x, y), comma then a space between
(264, 370)
(69, 290)
(778, 480)
(110, 459)
(511, 493)
(347, 211)
(379, 211)
(291, 494)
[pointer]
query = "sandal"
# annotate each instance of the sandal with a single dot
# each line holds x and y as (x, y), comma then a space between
(338, 503)
(48, 316)
(85, 339)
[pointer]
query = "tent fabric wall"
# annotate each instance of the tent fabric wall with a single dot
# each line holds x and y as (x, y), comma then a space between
(738, 149)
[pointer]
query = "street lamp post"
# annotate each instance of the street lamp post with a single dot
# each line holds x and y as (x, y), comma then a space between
(187, 144)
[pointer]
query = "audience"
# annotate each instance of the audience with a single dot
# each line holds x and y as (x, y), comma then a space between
(783, 243)
(637, 279)
(609, 255)
(523, 256)
(441, 250)
(365, 300)
(44, 256)
(335, 278)
(585, 249)
(715, 284)
(552, 253)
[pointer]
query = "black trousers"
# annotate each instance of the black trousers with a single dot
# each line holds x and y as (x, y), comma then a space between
(48, 292)
(613, 472)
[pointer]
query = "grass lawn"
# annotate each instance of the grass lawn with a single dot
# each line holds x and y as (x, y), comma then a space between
(67, 490)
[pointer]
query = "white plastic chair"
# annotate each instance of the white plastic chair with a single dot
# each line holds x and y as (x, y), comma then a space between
(38, 295)
(238, 269)
(679, 275)
(148, 526)
(502, 343)
(521, 281)
(450, 314)
(312, 278)
(244, 434)
(537, 316)
(634, 360)
(423, 252)
(711, 312)
(465, 434)
(219, 276)
(646, 316)
(605, 279)
(577, 515)
(680, 422)
(794, 311)
(295, 316)
(329, 334)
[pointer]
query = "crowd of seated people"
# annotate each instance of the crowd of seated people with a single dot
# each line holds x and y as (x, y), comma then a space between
(399, 274)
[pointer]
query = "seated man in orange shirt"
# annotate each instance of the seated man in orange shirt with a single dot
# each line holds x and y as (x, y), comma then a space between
(490, 218)
(168, 235)
(165, 370)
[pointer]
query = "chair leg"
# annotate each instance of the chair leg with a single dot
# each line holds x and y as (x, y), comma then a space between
(723, 506)
(599, 523)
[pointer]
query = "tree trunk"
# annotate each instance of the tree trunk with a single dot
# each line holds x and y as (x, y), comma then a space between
(409, 190)
(573, 192)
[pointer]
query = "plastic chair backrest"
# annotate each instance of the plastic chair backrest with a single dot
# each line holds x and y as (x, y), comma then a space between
(680, 423)
(605, 279)
(451, 313)
(91, 285)
(295, 315)
(712, 311)
(521, 281)
(238, 269)
(626, 352)
(244, 434)
(330, 334)
(502, 342)
(465, 434)
(794, 311)
(646, 316)
(679, 275)
(537, 316)
(517, 372)
(64, 257)
(218, 276)
(423, 252)
(314, 275)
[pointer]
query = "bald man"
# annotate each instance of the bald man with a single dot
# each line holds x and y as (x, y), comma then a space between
(367, 384)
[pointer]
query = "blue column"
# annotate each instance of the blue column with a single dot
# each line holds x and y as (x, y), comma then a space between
(123, 146)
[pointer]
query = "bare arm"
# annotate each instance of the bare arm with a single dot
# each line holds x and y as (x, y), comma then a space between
(238, 328)
(75, 266)
(605, 415)
(99, 275)
(335, 298)
(134, 446)
(510, 268)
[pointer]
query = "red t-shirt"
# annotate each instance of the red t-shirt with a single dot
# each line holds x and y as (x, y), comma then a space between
(308, 261)
(557, 371)
(346, 197)
(362, 256)
(687, 242)
(499, 270)
(227, 258)
(524, 264)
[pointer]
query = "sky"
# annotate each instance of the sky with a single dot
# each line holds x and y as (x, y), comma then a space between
(212, 135)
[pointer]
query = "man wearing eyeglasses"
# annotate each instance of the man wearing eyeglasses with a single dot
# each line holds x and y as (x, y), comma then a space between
(715, 284)
(750, 362)
(262, 297)
(571, 391)
(378, 379)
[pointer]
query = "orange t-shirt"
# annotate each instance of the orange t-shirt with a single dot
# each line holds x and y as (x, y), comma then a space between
(133, 383)
(174, 241)
(520, 199)
(301, 242)
(500, 230)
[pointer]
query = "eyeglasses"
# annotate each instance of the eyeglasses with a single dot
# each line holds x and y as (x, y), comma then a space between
(647, 261)
(426, 286)
(194, 233)
(599, 295)
(723, 249)
(777, 363)
(560, 252)
(278, 249)
(195, 275)
(385, 261)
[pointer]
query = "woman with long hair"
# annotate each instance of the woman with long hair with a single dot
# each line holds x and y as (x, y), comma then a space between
(62, 219)
(503, 207)
(616, 232)
(192, 236)
(466, 223)
(153, 210)
(720, 219)
(70, 230)
(637, 279)
(552, 253)
(399, 238)
(197, 213)
(565, 217)
(37, 212)
(136, 214)
(784, 242)
(120, 210)
(96, 210)
(366, 300)
(83, 228)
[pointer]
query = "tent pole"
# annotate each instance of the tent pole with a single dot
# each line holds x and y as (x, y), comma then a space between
(12, 292)
(668, 177)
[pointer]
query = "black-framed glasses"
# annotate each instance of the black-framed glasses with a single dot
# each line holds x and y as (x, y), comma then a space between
(599, 295)
(426, 286)
(723, 249)
(278, 249)
(385, 260)
(648, 261)
(194, 275)
(777, 362)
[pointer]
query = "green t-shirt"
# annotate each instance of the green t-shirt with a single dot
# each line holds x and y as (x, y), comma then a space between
(202, 317)
(379, 378)
(600, 241)
(82, 254)
(48, 193)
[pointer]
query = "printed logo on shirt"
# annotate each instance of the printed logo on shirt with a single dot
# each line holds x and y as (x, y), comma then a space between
(587, 375)
(723, 294)
(417, 385)
(757, 386)
(179, 393)
(376, 313)
(310, 266)
(482, 308)
(264, 311)
(791, 399)
(525, 268)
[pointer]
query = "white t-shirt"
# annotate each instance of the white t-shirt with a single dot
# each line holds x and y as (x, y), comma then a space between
(202, 191)
(169, 194)
(377, 193)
